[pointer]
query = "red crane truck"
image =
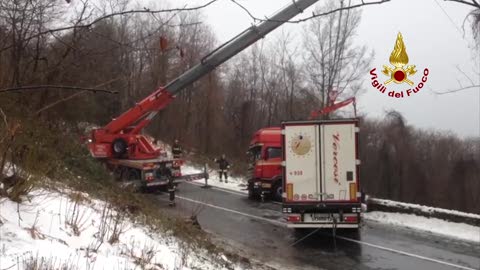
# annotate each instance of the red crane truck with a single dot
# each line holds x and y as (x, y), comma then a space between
(265, 154)
(321, 174)
(120, 142)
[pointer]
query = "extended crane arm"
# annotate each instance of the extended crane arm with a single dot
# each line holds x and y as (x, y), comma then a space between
(127, 126)
(161, 97)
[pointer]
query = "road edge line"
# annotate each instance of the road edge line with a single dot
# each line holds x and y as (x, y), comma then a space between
(282, 224)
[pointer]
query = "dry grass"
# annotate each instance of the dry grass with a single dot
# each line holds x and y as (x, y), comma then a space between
(41, 263)
(78, 171)
(76, 215)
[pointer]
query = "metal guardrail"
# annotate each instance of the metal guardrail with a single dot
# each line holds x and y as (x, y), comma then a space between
(377, 205)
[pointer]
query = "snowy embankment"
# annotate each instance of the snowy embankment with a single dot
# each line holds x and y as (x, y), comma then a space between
(458, 230)
(427, 210)
(70, 230)
(446, 222)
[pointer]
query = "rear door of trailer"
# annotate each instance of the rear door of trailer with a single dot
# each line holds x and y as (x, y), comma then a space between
(320, 161)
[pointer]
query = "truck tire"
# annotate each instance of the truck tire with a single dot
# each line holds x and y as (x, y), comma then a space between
(277, 191)
(118, 173)
(251, 193)
(119, 147)
(133, 180)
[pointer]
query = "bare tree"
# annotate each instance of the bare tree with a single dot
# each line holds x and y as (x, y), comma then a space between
(332, 61)
(23, 19)
(474, 15)
(291, 74)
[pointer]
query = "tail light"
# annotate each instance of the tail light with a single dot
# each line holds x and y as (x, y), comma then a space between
(177, 163)
(351, 219)
(294, 218)
(148, 166)
(149, 176)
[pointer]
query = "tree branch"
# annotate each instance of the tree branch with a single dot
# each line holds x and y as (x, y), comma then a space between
(473, 3)
(64, 87)
(111, 15)
(314, 15)
(456, 90)
(72, 96)
(59, 101)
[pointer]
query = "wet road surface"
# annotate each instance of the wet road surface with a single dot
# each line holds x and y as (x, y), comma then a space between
(258, 230)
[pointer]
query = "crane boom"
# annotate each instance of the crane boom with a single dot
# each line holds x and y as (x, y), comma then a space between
(333, 107)
(123, 132)
(238, 44)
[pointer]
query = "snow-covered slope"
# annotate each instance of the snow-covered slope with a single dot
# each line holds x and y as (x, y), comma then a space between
(72, 231)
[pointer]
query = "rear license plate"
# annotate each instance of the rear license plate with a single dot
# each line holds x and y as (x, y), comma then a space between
(266, 185)
(320, 218)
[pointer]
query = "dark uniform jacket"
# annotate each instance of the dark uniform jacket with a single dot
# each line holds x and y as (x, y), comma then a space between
(176, 150)
(222, 163)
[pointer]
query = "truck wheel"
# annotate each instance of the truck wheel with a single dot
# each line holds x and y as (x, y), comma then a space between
(277, 191)
(118, 173)
(134, 180)
(133, 174)
(251, 192)
(119, 147)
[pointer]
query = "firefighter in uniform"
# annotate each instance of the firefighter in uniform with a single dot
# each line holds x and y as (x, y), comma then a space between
(176, 153)
(176, 149)
(223, 166)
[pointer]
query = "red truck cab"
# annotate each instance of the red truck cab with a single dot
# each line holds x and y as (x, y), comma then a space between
(265, 164)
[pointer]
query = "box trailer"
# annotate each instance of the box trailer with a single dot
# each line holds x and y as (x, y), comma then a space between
(321, 174)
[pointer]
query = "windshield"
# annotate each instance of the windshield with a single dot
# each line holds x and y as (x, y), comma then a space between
(254, 154)
(274, 152)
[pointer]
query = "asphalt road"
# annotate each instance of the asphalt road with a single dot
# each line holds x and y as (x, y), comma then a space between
(258, 231)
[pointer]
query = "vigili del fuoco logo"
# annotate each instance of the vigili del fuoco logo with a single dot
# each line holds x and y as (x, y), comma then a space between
(399, 72)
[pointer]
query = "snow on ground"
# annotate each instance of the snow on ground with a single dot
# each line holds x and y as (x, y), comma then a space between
(65, 231)
(238, 184)
(433, 225)
(423, 208)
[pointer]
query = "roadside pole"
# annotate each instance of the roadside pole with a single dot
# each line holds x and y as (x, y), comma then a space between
(171, 192)
(205, 172)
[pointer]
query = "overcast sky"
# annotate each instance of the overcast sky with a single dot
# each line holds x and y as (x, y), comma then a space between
(431, 38)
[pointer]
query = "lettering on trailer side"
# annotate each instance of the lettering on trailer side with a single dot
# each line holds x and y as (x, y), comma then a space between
(335, 147)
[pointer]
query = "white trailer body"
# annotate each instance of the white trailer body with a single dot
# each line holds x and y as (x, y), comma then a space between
(321, 174)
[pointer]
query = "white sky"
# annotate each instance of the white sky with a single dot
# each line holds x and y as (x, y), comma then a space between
(432, 41)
